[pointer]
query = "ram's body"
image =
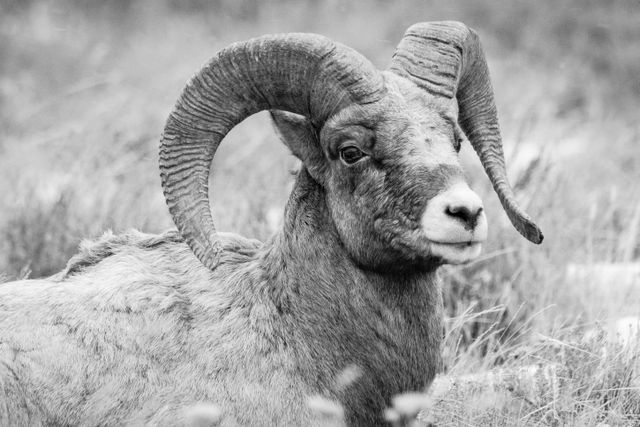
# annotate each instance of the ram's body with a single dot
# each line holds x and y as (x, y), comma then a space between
(137, 329)
(140, 327)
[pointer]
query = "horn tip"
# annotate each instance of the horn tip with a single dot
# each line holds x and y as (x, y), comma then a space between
(521, 221)
(531, 232)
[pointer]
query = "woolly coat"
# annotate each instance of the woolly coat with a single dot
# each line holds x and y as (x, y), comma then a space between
(135, 330)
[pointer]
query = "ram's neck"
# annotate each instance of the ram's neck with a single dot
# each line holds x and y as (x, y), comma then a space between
(387, 325)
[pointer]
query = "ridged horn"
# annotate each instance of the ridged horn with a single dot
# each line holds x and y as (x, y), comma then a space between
(446, 59)
(305, 74)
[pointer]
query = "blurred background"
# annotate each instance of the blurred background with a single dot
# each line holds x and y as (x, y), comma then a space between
(85, 87)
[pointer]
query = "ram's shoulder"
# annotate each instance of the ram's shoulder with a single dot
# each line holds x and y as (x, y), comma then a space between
(134, 251)
(118, 275)
(130, 244)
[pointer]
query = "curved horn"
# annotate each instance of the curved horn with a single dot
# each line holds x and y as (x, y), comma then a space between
(303, 73)
(446, 59)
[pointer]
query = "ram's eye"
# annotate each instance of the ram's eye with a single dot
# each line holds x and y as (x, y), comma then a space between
(351, 154)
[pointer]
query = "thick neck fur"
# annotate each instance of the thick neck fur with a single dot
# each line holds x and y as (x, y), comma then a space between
(386, 326)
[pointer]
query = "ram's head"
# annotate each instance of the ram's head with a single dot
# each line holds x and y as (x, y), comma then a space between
(382, 145)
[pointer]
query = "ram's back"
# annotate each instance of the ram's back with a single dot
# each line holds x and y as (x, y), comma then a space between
(119, 335)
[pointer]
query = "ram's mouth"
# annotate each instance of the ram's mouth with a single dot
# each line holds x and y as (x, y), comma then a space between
(456, 252)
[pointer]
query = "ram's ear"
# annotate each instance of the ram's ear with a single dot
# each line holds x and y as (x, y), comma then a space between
(301, 137)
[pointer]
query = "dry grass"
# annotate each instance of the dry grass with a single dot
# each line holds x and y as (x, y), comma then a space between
(85, 88)
(570, 379)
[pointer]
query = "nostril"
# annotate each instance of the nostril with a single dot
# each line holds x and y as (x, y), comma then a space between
(468, 215)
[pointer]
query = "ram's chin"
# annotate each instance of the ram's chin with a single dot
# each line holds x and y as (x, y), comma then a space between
(456, 253)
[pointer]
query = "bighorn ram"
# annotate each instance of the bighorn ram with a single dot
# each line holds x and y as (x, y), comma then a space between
(137, 327)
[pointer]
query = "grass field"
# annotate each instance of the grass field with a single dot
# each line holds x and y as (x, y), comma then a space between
(85, 88)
